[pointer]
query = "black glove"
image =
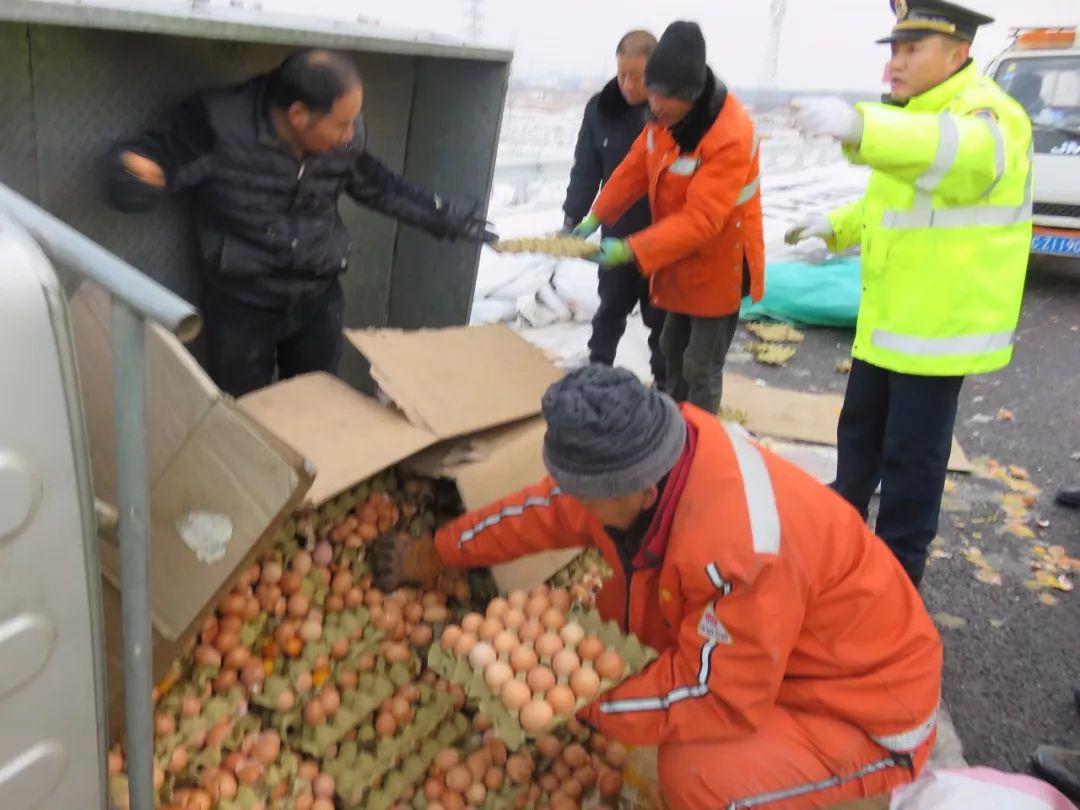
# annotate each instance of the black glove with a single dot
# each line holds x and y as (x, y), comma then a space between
(455, 222)
(569, 223)
(398, 560)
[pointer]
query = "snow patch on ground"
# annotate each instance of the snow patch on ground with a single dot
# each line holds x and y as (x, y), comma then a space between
(551, 301)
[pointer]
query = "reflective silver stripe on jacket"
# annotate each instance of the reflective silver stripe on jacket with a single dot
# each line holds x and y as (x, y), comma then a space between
(662, 703)
(516, 510)
(649, 141)
(718, 581)
(765, 799)
(751, 188)
(941, 347)
(923, 214)
(908, 740)
(684, 166)
(947, 149)
(757, 487)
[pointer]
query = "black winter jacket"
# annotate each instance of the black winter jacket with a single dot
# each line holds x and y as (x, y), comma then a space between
(608, 130)
(267, 223)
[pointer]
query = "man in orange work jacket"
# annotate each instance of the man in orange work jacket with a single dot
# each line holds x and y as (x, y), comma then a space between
(797, 667)
(697, 162)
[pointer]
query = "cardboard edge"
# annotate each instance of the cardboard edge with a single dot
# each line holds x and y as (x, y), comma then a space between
(395, 387)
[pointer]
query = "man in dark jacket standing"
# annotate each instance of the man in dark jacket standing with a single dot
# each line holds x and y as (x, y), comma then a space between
(268, 160)
(614, 118)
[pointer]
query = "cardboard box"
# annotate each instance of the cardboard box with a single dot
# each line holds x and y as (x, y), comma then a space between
(465, 407)
(206, 455)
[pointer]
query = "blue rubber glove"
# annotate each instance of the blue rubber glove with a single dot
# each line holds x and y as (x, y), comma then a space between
(587, 227)
(613, 253)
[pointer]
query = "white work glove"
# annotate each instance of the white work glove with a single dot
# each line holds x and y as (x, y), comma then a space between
(830, 116)
(808, 228)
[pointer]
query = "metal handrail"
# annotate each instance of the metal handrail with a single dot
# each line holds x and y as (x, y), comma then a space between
(68, 247)
(136, 298)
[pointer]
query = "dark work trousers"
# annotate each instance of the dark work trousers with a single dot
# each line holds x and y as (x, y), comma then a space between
(245, 343)
(695, 350)
(621, 289)
(897, 429)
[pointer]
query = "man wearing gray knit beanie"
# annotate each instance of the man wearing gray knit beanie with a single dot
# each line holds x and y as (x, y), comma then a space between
(795, 656)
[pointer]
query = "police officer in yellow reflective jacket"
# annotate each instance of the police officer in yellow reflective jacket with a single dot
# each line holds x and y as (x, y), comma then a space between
(945, 227)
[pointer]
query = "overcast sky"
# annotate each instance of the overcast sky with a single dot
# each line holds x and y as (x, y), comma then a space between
(825, 44)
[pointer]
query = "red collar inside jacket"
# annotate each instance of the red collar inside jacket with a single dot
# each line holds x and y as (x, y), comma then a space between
(654, 546)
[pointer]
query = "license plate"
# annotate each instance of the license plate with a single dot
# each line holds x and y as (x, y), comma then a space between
(1055, 245)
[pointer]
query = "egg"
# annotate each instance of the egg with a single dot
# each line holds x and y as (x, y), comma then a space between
(314, 713)
(515, 694)
(539, 590)
(562, 699)
(589, 648)
(436, 614)
(519, 768)
(537, 716)
(490, 628)
(505, 643)
(530, 630)
(482, 655)
(471, 623)
(536, 606)
(540, 679)
(565, 663)
(615, 755)
(385, 725)
(548, 644)
(585, 683)
(449, 637)
(610, 783)
(572, 633)
(497, 674)
(609, 665)
(459, 779)
(553, 619)
(497, 608)
(513, 618)
(463, 646)
(517, 599)
(478, 762)
(446, 759)
(523, 659)
(560, 598)
(576, 756)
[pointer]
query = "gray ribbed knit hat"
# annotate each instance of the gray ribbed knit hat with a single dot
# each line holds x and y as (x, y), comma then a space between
(608, 435)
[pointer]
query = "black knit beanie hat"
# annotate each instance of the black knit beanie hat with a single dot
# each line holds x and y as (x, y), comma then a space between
(676, 68)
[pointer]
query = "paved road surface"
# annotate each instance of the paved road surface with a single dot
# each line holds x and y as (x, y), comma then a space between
(1013, 662)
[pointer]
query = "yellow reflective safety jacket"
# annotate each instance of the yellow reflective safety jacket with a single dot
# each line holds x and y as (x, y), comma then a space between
(945, 227)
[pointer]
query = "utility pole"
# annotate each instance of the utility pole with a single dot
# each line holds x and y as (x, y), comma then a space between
(771, 67)
(474, 19)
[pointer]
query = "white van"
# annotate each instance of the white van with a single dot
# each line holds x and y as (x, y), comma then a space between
(1041, 70)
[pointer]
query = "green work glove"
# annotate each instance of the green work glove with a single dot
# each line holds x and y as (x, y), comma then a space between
(613, 253)
(587, 227)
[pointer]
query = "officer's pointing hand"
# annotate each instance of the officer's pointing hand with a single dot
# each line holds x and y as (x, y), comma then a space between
(808, 228)
(830, 116)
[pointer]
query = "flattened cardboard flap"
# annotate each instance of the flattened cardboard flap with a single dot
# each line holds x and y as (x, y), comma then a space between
(453, 382)
(206, 459)
(347, 436)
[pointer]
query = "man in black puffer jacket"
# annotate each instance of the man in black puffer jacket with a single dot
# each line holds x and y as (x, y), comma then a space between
(614, 118)
(268, 161)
